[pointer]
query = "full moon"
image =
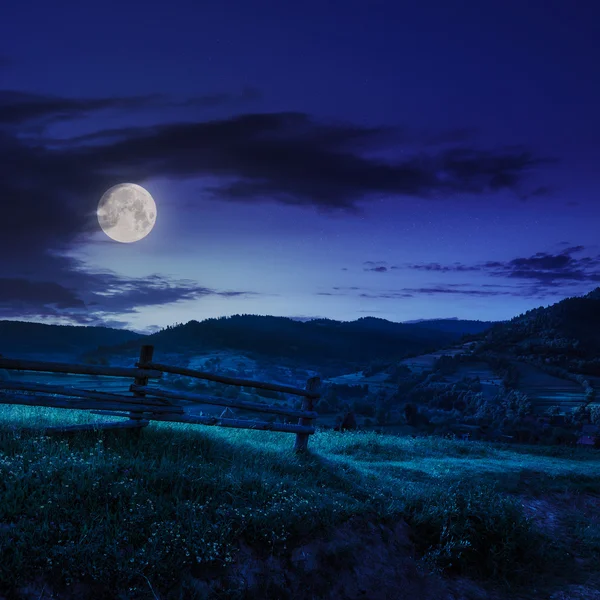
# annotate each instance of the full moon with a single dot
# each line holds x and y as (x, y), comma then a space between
(126, 212)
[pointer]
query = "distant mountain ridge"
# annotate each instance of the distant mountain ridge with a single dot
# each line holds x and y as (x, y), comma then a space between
(316, 340)
(23, 337)
(455, 325)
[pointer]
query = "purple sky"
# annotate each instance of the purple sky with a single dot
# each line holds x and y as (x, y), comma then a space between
(330, 159)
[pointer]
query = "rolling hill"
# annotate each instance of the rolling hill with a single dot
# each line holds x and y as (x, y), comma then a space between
(19, 338)
(457, 326)
(311, 342)
(565, 335)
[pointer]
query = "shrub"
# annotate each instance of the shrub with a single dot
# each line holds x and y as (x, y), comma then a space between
(364, 408)
(473, 530)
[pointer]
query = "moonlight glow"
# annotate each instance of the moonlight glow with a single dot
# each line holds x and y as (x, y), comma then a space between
(126, 212)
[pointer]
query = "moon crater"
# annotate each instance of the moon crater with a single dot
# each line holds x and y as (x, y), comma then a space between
(126, 212)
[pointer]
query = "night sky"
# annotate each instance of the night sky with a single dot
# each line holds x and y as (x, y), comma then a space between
(340, 159)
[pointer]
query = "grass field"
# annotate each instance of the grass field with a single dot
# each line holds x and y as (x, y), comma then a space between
(374, 382)
(425, 362)
(179, 508)
(546, 390)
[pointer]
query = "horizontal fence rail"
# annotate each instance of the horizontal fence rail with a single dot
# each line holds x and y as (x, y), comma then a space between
(17, 364)
(274, 387)
(148, 403)
(67, 391)
(82, 404)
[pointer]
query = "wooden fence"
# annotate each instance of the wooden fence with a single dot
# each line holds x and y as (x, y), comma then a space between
(148, 402)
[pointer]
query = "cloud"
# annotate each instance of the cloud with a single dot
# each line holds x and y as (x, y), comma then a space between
(445, 290)
(544, 269)
(436, 267)
(455, 290)
(293, 159)
(377, 267)
(50, 188)
(541, 275)
(96, 298)
(19, 108)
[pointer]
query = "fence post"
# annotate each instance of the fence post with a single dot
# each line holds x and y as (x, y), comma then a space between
(312, 386)
(145, 357)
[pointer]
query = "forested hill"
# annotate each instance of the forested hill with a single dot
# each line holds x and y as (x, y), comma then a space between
(312, 341)
(566, 334)
(457, 326)
(19, 337)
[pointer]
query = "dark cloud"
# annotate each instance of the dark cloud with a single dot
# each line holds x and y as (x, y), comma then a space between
(37, 293)
(387, 295)
(50, 188)
(96, 298)
(550, 269)
(436, 267)
(290, 158)
(377, 266)
(541, 275)
(454, 290)
(445, 290)
(543, 268)
(19, 108)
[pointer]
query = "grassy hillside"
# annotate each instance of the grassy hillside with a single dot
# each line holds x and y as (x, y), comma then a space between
(197, 512)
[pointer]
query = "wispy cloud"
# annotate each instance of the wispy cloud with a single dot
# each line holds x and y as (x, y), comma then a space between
(97, 297)
(544, 268)
(21, 108)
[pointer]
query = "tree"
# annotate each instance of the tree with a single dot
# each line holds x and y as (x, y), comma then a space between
(410, 414)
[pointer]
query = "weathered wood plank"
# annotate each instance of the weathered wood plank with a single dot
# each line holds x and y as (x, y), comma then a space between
(233, 423)
(17, 364)
(77, 393)
(312, 385)
(215, 400)
(84, 404)
(229, 380)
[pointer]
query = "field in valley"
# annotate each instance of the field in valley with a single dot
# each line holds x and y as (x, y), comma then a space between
(546, 390)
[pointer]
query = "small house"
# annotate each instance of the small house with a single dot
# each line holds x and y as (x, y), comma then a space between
(588, 440)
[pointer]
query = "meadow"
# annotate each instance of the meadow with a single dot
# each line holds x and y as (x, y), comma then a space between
(180, 511)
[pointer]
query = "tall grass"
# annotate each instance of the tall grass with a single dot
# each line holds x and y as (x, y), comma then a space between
(139, 512)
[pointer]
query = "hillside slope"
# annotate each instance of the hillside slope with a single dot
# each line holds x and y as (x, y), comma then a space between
(565, 334)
